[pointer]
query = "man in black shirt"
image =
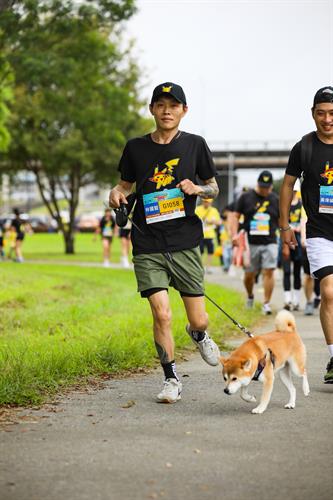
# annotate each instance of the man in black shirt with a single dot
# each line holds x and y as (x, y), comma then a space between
(260, 208)
(311, 160)
(166, 232)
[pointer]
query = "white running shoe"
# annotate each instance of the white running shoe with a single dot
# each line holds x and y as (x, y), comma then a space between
(106, 263)
(124, 262)
(266, 309)
(309, 309)
(208, 349)
(171, 392)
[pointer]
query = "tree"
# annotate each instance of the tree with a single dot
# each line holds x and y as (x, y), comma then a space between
(6, 80)
(75, 97)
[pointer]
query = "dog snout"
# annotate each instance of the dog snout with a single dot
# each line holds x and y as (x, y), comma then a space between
(226, 390)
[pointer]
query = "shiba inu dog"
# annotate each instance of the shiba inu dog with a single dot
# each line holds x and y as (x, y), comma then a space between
(261, 357)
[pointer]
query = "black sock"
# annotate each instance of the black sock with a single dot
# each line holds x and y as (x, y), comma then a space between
(197, 335)
(170, 370)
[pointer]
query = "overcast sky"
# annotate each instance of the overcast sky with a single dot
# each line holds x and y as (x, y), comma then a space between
(249, 68)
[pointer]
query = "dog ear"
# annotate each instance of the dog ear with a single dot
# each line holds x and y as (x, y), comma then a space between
(247, 364)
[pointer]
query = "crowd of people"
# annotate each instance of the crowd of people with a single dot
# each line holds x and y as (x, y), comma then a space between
(173, 169)
(13, 230)
(246, 235)
(174, 239)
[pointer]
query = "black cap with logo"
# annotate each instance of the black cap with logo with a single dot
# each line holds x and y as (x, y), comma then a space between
(325, 94)
(169, 88)
(265, 179)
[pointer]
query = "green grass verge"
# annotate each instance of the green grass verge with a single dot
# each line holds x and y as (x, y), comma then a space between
(63, 323)
(88, 248)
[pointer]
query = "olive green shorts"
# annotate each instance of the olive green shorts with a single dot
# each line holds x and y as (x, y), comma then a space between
(185, 271)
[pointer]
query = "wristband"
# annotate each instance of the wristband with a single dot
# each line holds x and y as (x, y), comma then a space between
(283, 229)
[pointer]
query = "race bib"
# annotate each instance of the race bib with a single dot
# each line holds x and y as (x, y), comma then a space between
(259, 225)
(163, 205)
(326, 200)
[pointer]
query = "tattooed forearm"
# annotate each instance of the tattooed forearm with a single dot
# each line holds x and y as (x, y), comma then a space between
(210, 189)
(162, 354)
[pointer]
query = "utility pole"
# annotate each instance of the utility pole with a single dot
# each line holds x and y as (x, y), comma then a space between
(231, 179)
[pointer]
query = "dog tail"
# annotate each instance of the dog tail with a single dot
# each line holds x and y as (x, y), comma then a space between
(285, 322)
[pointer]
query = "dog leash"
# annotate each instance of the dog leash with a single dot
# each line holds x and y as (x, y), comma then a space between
(169, 257)
(241, 327)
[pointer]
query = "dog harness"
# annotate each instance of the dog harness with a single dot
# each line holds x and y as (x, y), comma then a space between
(262, 364)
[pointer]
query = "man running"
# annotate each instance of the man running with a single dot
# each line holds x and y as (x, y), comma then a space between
(260, 208)
(312, 160)
(166, 233)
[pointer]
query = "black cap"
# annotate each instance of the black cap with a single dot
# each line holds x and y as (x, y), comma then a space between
(265, 179)
(169, 88)
(325, 94)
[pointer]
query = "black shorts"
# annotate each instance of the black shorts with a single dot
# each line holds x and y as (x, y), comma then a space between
(125, 233)
(207, 243)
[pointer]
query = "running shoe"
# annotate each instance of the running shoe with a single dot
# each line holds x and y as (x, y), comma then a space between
(171, 392)
(208, 349)
(316, 302)
(266, 309)
(250, 303)
(308, 311)
(328, 377)
(296, 307)
(288, 306)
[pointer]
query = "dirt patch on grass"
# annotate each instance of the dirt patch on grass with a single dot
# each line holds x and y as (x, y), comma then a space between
(17, 303)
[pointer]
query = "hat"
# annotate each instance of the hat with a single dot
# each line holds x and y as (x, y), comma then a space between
(169, 88)
(325, 94)
(265, 179)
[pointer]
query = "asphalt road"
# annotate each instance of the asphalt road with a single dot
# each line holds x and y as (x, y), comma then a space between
(117, 443)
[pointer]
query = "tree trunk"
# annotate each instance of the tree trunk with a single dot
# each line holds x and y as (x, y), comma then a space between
(48, 186)
(69, 242)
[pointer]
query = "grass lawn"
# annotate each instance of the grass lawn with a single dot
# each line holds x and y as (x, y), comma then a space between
(88, 248)
(61, 323)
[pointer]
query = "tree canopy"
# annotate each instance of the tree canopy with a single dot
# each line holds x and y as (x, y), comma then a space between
(75, 95)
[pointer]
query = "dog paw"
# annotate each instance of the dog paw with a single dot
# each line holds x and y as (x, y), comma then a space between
(248, 398)
(258, 410)
(289, 406)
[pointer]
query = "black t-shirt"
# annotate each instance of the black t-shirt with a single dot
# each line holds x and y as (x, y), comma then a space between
(18, 225)
(261, 216)
(163, 166)
(106, 226)
(315, 179)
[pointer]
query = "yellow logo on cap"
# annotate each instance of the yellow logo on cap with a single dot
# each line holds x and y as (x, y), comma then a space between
(167, 89)
(266, 179)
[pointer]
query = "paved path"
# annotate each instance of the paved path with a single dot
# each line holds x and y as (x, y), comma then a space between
(118, 444)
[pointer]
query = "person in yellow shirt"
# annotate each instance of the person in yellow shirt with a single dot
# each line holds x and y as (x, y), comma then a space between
(210, 218)
(10, 241)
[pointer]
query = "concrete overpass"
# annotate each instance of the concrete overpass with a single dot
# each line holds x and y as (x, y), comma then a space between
(253, 155)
